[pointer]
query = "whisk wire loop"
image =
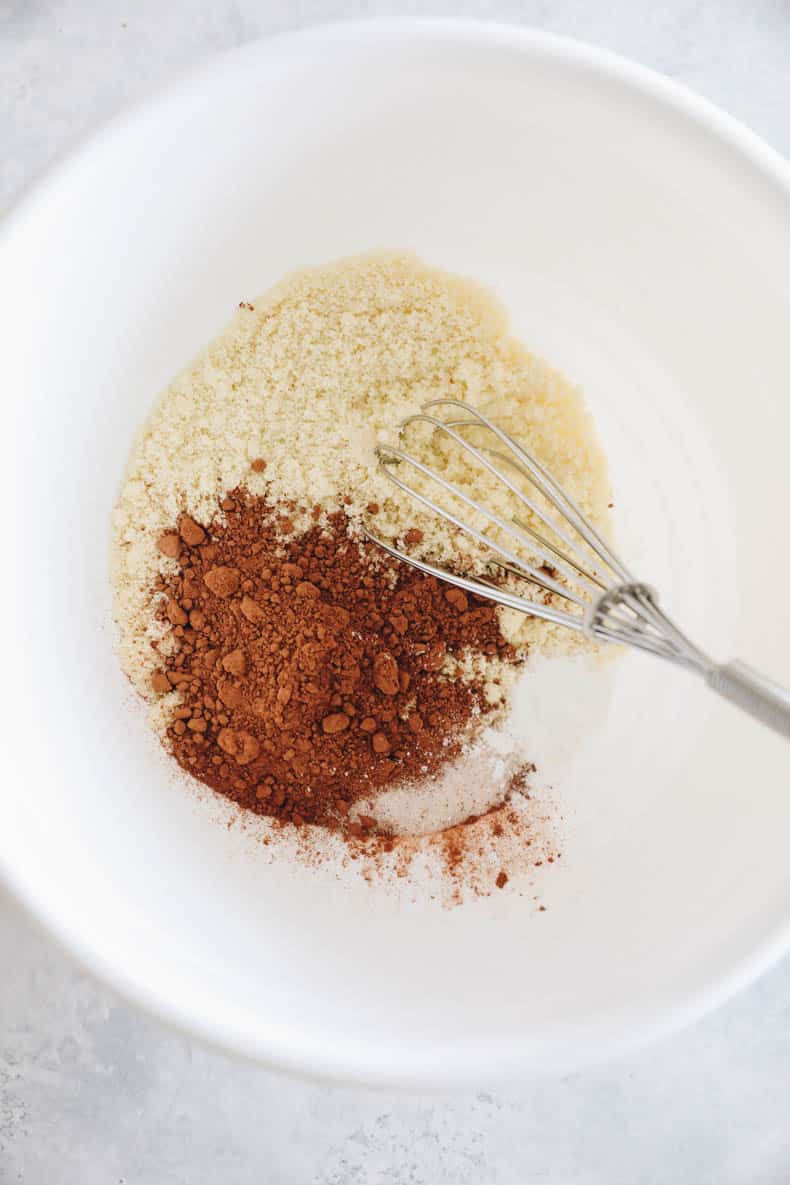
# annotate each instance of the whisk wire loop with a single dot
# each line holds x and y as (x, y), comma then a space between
(583, 573)
(396, 454)
(551, 489)
(577, 566)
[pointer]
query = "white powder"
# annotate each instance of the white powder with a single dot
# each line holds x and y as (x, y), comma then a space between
(474, 784)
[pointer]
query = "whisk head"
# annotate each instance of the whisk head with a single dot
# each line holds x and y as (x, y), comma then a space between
(542, 541)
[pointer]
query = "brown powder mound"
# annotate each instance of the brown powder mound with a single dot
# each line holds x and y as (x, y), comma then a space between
(310, 669)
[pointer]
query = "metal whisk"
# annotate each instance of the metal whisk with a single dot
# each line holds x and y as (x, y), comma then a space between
(599, 596)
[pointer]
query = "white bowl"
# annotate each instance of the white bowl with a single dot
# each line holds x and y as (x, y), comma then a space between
(642, 242)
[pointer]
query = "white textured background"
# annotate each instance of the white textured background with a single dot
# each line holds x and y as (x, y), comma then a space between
(92, 1093)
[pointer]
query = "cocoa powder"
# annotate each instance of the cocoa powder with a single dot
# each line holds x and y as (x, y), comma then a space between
(310, 669)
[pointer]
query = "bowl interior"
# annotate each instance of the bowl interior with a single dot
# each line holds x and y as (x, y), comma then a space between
(642, 246)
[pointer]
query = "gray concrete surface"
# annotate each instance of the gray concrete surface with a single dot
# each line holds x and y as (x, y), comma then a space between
(93, 1093)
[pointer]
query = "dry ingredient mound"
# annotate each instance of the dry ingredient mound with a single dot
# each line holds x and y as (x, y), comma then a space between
(268, 640)
(310, 670)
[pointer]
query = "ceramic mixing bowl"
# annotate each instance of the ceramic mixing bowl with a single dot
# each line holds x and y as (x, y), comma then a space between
(641, 240)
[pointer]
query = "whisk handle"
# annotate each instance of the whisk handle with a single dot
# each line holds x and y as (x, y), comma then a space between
(754, 693)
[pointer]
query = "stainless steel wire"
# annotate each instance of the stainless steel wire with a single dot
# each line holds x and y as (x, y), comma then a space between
(559, 551)
(590, 588)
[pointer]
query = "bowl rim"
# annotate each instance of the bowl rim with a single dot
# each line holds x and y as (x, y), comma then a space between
(266, 1042)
